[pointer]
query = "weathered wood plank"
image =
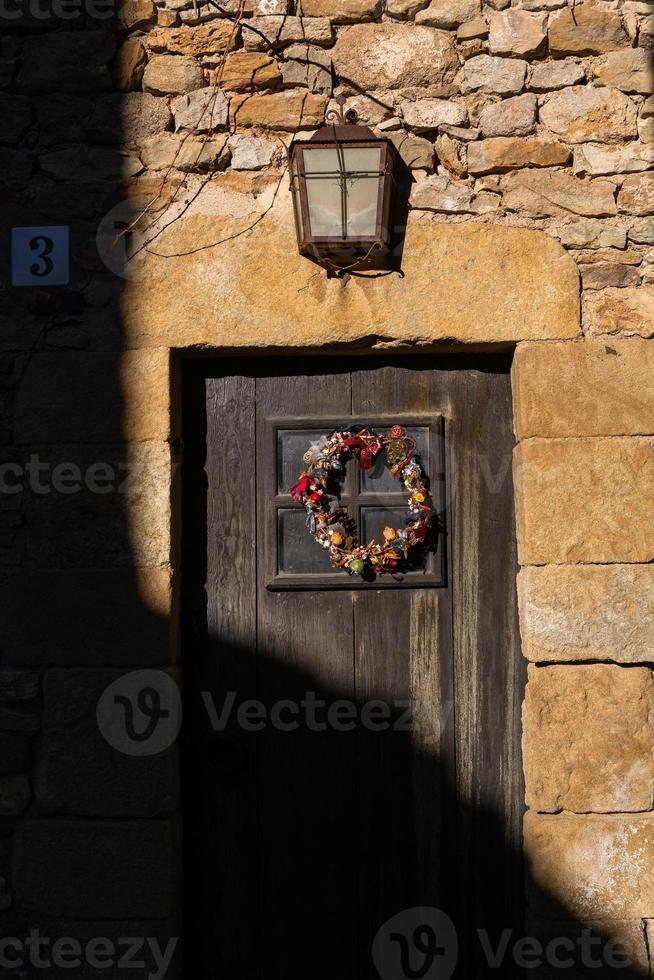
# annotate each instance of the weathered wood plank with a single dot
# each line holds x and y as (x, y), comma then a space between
(221, 659)
(403, 654)
(306, 776)
(489, 673)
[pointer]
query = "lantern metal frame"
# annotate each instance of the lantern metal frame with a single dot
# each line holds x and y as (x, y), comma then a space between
(343, 251)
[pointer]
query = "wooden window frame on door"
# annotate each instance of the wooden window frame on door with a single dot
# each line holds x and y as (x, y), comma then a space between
(275, 501)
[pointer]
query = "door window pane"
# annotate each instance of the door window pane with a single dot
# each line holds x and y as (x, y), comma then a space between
(292, 444)
(379, 479)
(375, 519)
(297, 552)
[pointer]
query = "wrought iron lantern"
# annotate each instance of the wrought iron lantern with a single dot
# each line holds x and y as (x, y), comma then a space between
(342, 181)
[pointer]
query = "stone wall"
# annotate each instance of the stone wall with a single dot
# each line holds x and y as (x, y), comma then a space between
(533, 115)
(529, 132)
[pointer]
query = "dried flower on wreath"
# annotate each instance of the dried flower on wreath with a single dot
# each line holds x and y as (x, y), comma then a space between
(331, 525)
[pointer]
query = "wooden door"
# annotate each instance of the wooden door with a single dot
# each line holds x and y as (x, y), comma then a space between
(374, 765)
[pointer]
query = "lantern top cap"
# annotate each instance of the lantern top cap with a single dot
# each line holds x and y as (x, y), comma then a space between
(342, 126)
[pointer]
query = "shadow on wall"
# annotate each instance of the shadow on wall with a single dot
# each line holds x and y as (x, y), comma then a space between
(89, 835)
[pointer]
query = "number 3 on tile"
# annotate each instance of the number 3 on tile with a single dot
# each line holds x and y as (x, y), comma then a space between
(40, 256)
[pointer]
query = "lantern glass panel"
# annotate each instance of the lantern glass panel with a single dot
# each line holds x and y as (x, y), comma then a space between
(323, 182)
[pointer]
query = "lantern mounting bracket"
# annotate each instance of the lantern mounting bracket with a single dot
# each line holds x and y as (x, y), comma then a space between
(349, 118)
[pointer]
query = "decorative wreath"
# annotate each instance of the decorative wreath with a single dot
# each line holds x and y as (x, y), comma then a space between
(331, 525)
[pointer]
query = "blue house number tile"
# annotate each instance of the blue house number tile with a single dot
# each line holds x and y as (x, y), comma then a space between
(40, 256)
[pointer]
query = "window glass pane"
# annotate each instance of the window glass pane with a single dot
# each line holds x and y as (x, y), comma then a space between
(379, 479)
(324, 191)
(297, 552)
(375, 519)
(292, 444)
(363, 191)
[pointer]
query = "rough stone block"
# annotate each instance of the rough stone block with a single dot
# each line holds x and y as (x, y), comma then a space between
(502, 153)
(550, 75)
(245, 71)
(595, 867)
(452, 154)
(582, 115)
(15, 753)
(592, 234)
(308, 66)
(642, 233)
(447, 16)
(517, 32)
(404, 9)
(78, 773)
(168, 75)
(630, 70)
(16, 117)
(205, 39)
(129, 64)
(67, 61)
(508, 283)
(15, 795)
(120, 616)
(261, 33)
(82, 164)
(135, 13)
(589, 739)
(287, 111)
(584, 500)
(494, 75)
(511, 117)
(636, 195)
(23, 718)
(341, 11)
(472, 30)
(427, 114)
(185, 152)
(554, 193)
(251, 153)
(587, 612)
(627, 311)
(417, 153)
(439, 193)
(596, 159)
(386, 56)
(97, 869)
(126, 118)
(91, 397)
(592, 950)
(591, 29)
(116, 500)
(201, 111)
(18, 685)
(584, 389)
(602, 275)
